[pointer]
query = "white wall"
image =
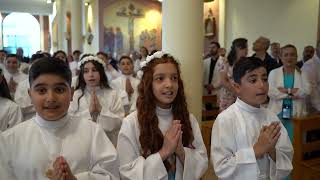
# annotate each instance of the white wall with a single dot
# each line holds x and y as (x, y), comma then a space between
(285, 21)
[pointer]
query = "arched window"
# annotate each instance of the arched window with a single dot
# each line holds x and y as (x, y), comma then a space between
(21, 30)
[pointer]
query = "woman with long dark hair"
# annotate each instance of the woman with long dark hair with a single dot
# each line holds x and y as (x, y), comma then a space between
(239, 49)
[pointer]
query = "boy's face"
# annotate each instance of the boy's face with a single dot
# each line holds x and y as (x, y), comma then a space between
(12, 64)
(126, 67)
(51, 95)
(254, 87)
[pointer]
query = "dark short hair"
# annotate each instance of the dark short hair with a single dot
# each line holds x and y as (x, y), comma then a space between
(50, 65)
(216, 43)
(125, 57)
(76, 51)
(244, 66)
(59, 51)
(37, 56)
(11, 55)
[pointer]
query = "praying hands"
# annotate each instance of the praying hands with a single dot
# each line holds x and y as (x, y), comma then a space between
(268, 138)
(95, 106)
(172, 140)
(61, 170)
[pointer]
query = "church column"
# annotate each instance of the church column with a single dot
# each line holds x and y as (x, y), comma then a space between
(76, 24)
(62, 25)
(182, 36)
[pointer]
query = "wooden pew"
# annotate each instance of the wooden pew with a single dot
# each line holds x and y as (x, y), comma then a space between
(305, 169)
(206, 126)
(209, 113)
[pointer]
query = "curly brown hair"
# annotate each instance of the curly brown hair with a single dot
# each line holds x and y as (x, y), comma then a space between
(151, 137)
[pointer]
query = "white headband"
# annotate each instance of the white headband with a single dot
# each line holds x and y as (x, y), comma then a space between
(91, 58)
(155, 55)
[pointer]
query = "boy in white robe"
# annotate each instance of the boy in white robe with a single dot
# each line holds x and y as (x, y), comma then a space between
(249, 141)
(126, 84)
(55, 145)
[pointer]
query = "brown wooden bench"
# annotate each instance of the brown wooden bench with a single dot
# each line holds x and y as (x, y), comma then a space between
(210, 113)
(305, 169)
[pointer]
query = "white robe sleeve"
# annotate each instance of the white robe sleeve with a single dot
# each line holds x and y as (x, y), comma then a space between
(15, 115)
(4, 169)
(305, 89)
(104, 160)
(111, 117)
(133, 165)
(226, 158)
(196, 159)
(284, 154)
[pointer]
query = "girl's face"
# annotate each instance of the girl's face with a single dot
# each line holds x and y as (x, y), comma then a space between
(91, 75)
(126, 66)
(165, 84)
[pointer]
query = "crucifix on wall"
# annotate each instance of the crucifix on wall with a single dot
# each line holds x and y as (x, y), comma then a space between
(131, 13)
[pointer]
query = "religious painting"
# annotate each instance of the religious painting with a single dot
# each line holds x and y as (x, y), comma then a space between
(130, 24)
(210, 23)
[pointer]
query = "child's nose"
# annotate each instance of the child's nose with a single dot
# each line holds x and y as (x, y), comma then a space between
(168, 82)
(51, 95)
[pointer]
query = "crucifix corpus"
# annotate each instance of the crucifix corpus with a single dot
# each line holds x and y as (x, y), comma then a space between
(131, 13)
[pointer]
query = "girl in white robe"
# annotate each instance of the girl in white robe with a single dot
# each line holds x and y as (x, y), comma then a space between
(242, 145)
(55, 145)
(152, 143)
(94, 99)
(10, 112)
(126, 84)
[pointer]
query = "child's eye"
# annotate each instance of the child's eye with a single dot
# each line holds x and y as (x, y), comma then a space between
(174, 78)
(265, 79)
(85, 71)
(252, 81)
(41, 90)
(159, 78)
(60, 90)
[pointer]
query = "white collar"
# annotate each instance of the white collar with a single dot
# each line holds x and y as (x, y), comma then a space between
(51, 124)
(246, 107)
(163, 112)
(89, 88)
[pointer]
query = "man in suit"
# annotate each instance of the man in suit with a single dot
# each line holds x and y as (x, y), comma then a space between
(208, 68)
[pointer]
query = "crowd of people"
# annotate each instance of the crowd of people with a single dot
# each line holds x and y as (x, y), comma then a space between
(89, 116)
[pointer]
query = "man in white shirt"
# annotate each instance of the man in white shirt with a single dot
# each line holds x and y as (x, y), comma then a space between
(311, 68)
